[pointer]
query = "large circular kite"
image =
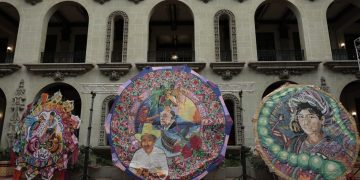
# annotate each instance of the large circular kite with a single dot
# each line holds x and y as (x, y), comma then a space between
(45, 138)
(168, 123)
(304, 133)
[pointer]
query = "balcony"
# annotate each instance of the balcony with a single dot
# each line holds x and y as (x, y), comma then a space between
(171, 56)
(63, 57)
(343, 54)
(7, 58)
(280, 55)
(225, 56)
(116, 56)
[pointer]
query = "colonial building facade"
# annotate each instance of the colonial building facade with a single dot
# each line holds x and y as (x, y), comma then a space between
(247, 47)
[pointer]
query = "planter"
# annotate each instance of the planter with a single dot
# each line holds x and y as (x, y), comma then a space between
(6, 169)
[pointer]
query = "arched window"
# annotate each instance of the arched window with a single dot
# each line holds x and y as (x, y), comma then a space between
(350, 98)
(233, 105)
(274, 86)
(9, 24)
(105, 109)
(225, 36)
(66, 37)
(277, 32)
(171, 33)
(343, 22)
(117, 37)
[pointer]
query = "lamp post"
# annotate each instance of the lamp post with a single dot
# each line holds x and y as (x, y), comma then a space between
(242, 148)
(87, 148)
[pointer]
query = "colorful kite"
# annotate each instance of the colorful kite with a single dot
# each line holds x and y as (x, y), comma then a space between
(304, 133)
(168, 123)
(45, 137)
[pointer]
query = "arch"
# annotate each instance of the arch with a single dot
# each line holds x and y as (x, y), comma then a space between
(109, 34)
(350, 98)
(279, 36)
(274, 86)
(68, 93)
(239, 135)
(2, 110)
(232, 28)
(171, 34)
(104, 111)
(74, 48)
(9, 27)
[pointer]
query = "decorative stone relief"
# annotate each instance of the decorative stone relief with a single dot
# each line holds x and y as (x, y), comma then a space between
(109, 35)
(344, 66)
(101, 1)
(104, 111)
(323, 85)
(17, 107)
(58, 71)
(115, 70)
(33, 2)
(227, 69)
(232, 34)
(7, 69)
(284, 69)
(193, 65)
(237, 115)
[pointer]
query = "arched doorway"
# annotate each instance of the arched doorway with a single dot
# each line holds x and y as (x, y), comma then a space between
(274, 86)
(171, 33)
(9, 24)
(68, 93)
(350, 98)
(277, 32)
(2, 110)
(343, 19)
(66, 37)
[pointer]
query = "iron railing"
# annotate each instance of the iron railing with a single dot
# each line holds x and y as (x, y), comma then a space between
(225, 56)
(280, 55)
(343, 54)
(63, 57)
(116, 56)
(7, 58)
(171, 56)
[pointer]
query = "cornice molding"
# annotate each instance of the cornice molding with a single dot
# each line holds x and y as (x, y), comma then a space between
(58, 71)
(196, 66)
(114, 70)
(227, 69)
(33, 2)
(284, 68)
(7, 69)
(344, 66)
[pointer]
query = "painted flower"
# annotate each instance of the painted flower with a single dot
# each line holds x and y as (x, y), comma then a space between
(186, 151)
(177, 148)
(195, 142)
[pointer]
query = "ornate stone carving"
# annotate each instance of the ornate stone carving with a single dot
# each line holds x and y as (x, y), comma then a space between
(33, 2)
(232, 34)
(104, 111)
(58, 71)
(7, 69)
(136, 1)
(193, 65)
(109, 35)
(344, 66)
(115, 70)
(101, 1)
(227, 69)
(17, 106)
(237, 115)
(323, 85)
(284, 68)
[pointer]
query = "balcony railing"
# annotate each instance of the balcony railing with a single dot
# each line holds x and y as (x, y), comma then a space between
(63, 57)
(280, 55)
(344, 54)
(171, 56)
(116, 56)
(7, 58)
(225, 56)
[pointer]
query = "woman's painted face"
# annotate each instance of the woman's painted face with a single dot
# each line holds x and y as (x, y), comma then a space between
(310, 123)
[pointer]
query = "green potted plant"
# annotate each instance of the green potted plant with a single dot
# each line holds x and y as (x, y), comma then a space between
(5, 167)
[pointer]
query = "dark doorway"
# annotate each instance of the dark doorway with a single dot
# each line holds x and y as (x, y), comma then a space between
(230, 106)
(80, 48)
(3, 49)
(116, 55)
(2, 111)
(350, 98)
(50, 49)
(224, 31)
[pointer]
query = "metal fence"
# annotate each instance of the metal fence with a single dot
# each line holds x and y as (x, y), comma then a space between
(280, 55)
(343, 54)
(7, 58)
(63, 57)
(171, 56)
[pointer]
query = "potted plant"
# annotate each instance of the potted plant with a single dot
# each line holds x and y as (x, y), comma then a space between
(5, 167)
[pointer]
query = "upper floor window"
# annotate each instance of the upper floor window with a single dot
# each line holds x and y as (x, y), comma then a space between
(171, 33)
(9, 24)
(66, 36)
